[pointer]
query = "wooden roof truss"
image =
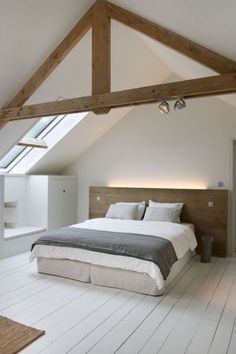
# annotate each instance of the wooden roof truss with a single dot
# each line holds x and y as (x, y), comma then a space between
(98, 17)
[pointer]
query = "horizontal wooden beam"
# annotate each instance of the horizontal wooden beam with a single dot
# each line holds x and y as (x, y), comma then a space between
(185, 46)
(207, 86)
(32, 142)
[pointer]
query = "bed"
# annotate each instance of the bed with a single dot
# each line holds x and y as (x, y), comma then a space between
(126, 271)
(119, 271)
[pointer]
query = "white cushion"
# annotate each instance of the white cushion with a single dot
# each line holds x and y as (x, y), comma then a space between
(10, 215)
(140, 210)
(122, 211)
(177, 206)
(160, 214)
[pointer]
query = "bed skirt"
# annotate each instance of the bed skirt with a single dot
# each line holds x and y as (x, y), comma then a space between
(109, 277)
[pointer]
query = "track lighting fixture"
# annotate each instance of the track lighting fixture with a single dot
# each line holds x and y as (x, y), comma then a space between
(164, 107)
(179, 104)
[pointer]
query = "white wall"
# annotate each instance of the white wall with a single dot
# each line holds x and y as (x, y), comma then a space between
(188, 149)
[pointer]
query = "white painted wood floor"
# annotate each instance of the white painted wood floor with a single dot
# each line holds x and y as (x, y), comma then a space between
(197, 315)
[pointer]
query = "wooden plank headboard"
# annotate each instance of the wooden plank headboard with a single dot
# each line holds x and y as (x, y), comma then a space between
(207, 220)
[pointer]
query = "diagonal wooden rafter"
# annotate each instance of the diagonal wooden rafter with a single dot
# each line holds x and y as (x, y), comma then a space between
(53, 60)
(208, 86)
(181, 44)
(98, 17)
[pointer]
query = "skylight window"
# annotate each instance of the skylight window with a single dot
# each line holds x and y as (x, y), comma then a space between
(48, 131)
(36, 131)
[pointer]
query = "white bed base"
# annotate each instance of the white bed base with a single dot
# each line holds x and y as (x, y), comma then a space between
(110, 277)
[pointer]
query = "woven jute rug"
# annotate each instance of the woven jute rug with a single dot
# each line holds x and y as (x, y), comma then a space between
(15, 336)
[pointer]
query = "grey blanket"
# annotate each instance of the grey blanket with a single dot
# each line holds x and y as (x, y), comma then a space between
(146, 247)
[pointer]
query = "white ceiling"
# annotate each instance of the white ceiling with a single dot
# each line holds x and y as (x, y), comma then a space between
(30, 30)
(210, 23)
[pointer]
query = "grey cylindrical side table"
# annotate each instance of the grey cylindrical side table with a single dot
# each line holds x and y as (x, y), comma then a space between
(206, 248)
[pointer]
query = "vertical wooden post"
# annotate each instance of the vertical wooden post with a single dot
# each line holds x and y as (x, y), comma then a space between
(101, 51)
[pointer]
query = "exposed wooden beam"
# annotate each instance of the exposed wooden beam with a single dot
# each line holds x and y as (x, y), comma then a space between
(208, 86)
(3, 122)
(98, 16)
(101, 51)
(53, 60)
(173, 40)
(32, 142)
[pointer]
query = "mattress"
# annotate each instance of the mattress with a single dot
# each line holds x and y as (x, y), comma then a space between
(181, 236)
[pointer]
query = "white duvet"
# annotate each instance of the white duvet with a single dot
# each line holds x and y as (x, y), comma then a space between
(181, 236)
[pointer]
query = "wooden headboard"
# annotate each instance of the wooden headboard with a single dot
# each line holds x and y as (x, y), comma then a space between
(207, 220)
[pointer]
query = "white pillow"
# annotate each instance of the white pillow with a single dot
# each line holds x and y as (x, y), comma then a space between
(160, 214)
(140, 211)
(122, 211)
(177, 206)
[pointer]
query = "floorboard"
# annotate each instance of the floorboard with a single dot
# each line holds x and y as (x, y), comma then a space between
(197, 314)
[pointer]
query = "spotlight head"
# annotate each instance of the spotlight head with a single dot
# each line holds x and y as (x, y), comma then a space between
(179, 104)
(164, 107)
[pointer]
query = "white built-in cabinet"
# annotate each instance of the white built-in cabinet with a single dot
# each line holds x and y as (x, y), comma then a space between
(62, 201)
(31, 205)
(52, 201)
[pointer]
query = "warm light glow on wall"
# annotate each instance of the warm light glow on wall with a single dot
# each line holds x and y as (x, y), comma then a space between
(157, 184)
